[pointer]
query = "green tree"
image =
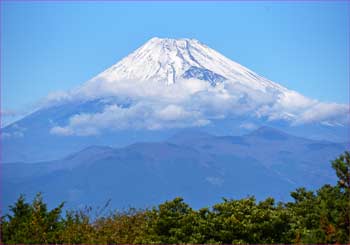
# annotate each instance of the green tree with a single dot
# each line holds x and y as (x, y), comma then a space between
(341, 165)
(174, 221)
(77, 227)
(32, 223)
(16, 226)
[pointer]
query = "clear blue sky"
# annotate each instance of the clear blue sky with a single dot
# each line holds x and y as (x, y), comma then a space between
(50, 46)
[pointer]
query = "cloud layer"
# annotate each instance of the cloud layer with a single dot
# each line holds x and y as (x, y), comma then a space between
(155, 105)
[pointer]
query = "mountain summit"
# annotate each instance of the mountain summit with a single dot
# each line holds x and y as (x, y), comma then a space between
(169, 60)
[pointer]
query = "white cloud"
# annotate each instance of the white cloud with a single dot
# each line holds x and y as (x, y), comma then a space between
(155, 105)
(142, 115)
(249, 126)
(14, 132)
(294, 102)
(325, 112)
(9, 116)
(61, 130)
(172, 112)
(218, 181)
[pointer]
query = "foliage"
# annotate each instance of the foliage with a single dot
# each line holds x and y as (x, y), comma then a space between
(31, 223)
(313, 217)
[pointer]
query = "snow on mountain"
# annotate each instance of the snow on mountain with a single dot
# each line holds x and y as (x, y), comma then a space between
(168, 60)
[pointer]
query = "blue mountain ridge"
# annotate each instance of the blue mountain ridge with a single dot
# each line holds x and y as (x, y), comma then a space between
(193, 164)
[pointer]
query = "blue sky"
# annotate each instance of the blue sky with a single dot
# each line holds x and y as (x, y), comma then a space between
(50, 46)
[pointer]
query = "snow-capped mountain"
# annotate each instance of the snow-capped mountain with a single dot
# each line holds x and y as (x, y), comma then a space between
(185, 61)
(169, 60)
(164, 86)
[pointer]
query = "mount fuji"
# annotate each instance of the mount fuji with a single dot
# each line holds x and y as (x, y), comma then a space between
(163, 87)
(169, 60)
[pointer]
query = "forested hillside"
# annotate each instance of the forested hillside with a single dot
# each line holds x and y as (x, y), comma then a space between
(320, 216)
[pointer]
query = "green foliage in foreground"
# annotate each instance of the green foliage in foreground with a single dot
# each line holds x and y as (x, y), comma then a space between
(313, 217)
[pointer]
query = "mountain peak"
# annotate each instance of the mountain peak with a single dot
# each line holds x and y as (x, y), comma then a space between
(269, 133)
(187, 135)
(169, 60)
(170, 40)
(159, 59)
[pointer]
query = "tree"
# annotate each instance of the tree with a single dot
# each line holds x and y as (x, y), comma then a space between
(341, 165)
(16, 226)
(174, 221)
(32, 223)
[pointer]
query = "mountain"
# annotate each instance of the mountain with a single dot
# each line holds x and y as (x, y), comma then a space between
(201, 167)
(161, 88)
(169, 60)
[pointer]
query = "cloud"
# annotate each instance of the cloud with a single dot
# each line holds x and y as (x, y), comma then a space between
(248, 126)
(173, 112)
(58, 96)
(218, 181)
(329, 113)
(293, 102)
(14, 132)
(9, 116)
(142, 115)
(187, 103)
(61, 131)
